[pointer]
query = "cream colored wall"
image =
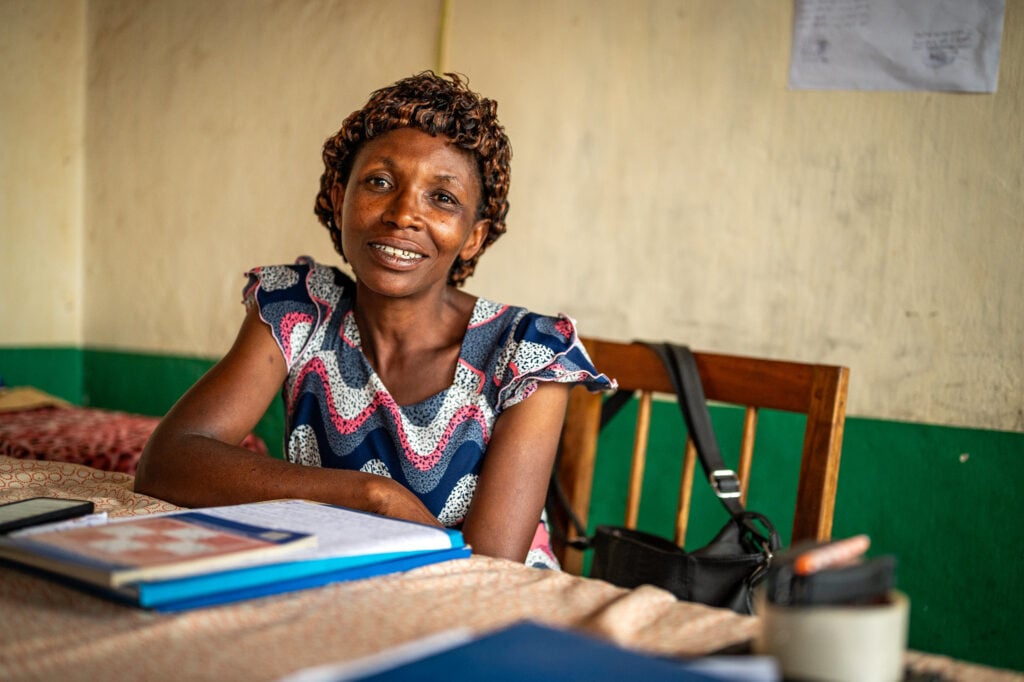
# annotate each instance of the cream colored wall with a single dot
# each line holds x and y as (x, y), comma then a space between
(206, 121)
(667, 184)
(42, 107)
(884, 231)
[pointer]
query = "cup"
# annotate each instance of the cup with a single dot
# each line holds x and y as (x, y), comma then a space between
(836, 643)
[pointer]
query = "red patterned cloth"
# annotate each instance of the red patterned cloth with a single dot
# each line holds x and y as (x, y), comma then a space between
(102, 439)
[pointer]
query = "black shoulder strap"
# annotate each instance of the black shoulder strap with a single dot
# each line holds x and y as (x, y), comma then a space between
(682, 370)
(685, 378)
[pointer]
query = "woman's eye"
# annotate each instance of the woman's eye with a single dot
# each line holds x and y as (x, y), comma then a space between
(445, 198)
(377, 182)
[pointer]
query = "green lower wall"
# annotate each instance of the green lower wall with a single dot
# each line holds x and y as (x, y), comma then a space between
(943, 500)
(58, 371)
(134, 382)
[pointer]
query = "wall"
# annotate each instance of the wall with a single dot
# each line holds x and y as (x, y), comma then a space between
(876, 230)
(205, 125)
(42, 108)
(667, 184)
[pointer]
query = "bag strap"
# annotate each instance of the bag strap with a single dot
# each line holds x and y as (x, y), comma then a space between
(685, 378)
(682, 371)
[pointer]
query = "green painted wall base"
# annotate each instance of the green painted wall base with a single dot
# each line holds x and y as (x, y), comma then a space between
(58, 371)
(943, 500)
(132, 382)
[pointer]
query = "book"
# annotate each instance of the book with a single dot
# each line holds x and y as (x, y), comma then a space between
(146, 548)
(523, 651)
(350, 545)
(287, 577)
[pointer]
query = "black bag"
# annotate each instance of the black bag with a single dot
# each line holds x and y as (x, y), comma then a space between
(724, 572)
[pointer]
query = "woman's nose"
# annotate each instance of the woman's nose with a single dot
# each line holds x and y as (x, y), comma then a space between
(403, 210)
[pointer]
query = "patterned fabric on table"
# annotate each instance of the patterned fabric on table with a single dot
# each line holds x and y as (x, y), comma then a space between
(341, 415)
(102, 439)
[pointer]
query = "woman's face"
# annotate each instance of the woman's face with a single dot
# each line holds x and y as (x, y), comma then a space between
(408, 210)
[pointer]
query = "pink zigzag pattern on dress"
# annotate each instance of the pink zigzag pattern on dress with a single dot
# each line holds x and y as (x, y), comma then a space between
(288, 322)
(463, 414)
(381, 399)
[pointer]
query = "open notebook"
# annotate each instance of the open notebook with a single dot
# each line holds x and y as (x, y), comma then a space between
(349, 545)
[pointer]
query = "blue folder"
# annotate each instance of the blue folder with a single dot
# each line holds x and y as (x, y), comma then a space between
(528, 651)
(262, 581)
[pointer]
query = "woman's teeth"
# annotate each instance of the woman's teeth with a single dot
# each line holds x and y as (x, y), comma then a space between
(398, 253)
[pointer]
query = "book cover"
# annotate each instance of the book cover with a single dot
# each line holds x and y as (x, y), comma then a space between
(350, 545)
(522, 652)
(235, 586)
(147, 548)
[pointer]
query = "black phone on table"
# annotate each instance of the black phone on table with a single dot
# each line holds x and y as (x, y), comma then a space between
(36, 510)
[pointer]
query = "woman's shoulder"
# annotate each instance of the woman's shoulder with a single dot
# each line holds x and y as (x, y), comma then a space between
(298, 302)
(517, 347)
(503, 323)
(303, 279)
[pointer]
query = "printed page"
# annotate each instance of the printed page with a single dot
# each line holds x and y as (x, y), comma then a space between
(340, 532)
(950, 45)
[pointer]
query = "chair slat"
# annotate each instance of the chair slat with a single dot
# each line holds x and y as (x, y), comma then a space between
(818, 391)
(636, 471)
(685, 491)
(747, 451)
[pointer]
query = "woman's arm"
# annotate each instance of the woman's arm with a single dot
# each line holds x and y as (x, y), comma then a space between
(513, 483)
(193, 458)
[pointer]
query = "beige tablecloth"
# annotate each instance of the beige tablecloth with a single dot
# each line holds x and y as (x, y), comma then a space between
(52, 632)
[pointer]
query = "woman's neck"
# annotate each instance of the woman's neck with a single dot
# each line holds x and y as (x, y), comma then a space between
(413, 344)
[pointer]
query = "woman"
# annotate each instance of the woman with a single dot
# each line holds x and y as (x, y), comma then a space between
(404, 395)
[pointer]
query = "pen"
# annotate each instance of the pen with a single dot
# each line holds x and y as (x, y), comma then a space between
(830, 555)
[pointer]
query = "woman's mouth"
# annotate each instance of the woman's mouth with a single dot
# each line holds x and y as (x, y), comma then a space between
(400, 254)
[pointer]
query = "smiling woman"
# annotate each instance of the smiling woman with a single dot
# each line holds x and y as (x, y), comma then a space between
(409, 207)
(404, 395)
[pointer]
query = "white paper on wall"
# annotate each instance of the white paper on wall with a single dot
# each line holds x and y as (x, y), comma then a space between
(950, 45)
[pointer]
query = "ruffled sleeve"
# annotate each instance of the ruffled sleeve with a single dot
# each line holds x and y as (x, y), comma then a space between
(294, 300)
(541, 349)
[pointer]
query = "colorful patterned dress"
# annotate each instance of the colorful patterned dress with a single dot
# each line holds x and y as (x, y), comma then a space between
(339, 414)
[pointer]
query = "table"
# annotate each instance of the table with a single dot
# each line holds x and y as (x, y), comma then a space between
(49, 631)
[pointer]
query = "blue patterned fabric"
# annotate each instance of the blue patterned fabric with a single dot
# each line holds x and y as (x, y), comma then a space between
(339, 413)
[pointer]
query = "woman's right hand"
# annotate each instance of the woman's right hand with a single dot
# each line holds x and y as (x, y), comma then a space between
(390, 498)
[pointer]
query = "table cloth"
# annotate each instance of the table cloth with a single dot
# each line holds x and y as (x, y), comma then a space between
(50, 631)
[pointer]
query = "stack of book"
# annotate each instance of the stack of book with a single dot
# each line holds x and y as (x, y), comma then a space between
(187, 559)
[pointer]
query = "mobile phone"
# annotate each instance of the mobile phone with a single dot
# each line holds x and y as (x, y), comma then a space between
(36, 510)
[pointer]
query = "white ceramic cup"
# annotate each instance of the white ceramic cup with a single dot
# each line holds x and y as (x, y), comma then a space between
(836, 643)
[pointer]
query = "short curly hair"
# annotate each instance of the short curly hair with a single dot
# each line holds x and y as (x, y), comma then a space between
(438, 105)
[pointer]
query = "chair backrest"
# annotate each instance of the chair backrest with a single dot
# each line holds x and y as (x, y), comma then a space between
(819, 391)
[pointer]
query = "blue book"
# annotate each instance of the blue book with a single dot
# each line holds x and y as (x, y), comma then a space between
(521, 652)
(350, 545)
(117, 554)
(291, 577)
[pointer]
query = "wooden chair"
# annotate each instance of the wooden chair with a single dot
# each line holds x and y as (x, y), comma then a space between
(819, 391)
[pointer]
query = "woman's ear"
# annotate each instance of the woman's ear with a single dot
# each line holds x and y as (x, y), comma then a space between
(337, 199)
(475, 239)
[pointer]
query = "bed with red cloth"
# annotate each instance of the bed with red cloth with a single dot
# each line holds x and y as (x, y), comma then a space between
(34, 425)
